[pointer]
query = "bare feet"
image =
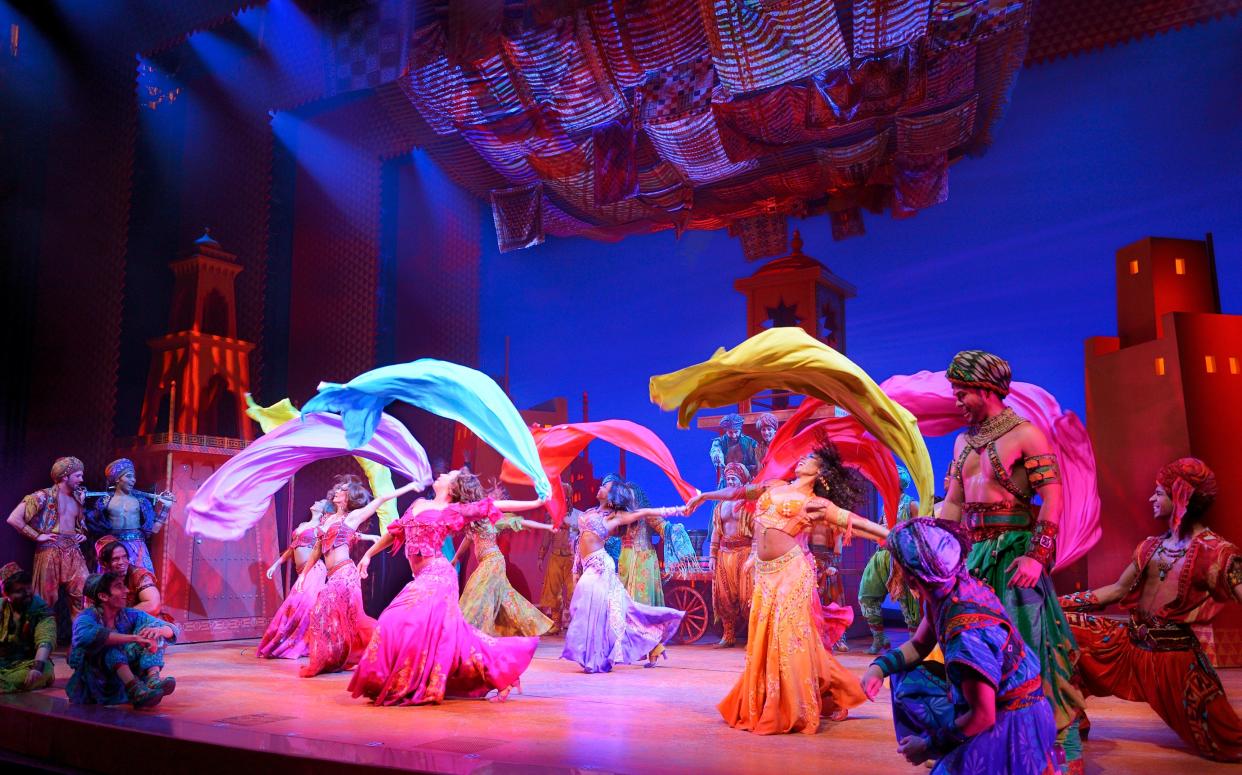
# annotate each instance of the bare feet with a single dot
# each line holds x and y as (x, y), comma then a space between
(503, 694)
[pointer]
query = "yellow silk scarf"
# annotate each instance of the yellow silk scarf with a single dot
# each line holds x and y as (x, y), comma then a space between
(789, 358)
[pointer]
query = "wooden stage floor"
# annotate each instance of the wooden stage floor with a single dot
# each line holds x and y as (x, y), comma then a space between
(632, 720)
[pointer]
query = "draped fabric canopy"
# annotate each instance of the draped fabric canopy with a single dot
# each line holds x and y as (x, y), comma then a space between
(613, 117)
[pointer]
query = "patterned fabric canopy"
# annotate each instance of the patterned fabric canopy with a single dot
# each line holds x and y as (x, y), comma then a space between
(614, 117)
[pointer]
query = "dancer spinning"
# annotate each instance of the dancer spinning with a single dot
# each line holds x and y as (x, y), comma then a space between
(1177, 579)
(285, 637)
(423, 648)
(339, 629)
(790, 678)
(983, 710)
(606, 626)
(489, 602)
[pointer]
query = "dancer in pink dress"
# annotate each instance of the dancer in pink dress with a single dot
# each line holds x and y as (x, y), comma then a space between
(423, 649)
(339, 629)
(285, 637)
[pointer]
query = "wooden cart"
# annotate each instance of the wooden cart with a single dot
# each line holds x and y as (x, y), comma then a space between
(691, 593)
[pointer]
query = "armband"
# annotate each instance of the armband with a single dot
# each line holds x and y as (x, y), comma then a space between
(1043, 542)
(1081, 601)
(891, 662)
(1234, 572)
(1042, 470)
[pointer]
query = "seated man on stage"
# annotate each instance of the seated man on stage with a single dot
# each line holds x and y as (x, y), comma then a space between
(117, 652)
(1176, 579)
(131, 517)
(140, 584)
(983, 710)
(27, 634)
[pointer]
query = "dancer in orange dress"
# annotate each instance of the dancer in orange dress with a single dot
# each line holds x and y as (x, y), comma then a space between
(791, 680)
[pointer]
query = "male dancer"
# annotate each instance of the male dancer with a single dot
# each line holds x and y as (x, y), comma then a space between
(999, 464)
(733, 446)
(1179, 578)
(127, 516)
(558, 551)
(878, 580)
(53, 519)
(732, 575)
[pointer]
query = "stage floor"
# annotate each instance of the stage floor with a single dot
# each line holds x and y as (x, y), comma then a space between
(633, 720)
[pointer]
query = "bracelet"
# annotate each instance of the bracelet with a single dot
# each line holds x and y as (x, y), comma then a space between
(945, 739)
(1081, 601)
(892, 661)
(1043, 542)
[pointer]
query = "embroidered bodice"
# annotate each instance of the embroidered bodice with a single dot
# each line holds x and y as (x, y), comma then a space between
(336, 534)
(304, 538)
(786, 513)
(594, 521)
(483, 533)
(423, 533)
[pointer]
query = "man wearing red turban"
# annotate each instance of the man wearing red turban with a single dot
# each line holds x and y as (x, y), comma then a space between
(1181, 578)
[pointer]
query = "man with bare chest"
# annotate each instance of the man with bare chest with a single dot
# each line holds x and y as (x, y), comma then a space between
(130, 517)
(732, 579)
(1181, 578)
(53, 519)
(1000, 463)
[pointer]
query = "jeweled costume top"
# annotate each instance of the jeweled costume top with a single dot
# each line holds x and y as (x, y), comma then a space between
(423, 533)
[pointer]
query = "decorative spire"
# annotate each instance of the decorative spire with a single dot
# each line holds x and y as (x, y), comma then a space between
(206, 239)
(797, 243)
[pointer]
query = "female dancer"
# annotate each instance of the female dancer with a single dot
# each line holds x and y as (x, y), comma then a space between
(606, 626)
(286, 635)
(339, 629)
(790, 678)
(423, 648)
(489, 602)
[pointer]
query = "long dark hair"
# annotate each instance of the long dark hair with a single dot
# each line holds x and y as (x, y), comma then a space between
(836, 481)
(620, 496)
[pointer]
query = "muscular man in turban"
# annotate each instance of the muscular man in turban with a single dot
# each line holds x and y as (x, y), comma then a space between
(53, 519)
(1000, 463)
(733, 446)
(1180, 578)
(127, 516)
(732, 574)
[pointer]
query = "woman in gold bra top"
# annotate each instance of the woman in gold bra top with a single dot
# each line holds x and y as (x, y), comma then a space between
(784, 651)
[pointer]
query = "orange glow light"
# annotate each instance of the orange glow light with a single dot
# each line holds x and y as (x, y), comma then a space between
(1210, 363)
(1179, 265)
(1160, 367)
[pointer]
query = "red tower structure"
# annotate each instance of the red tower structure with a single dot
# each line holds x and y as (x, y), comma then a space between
(192, 422)
(1169, 385)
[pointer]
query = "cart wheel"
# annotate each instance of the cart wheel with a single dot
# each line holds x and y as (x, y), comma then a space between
(694, 624)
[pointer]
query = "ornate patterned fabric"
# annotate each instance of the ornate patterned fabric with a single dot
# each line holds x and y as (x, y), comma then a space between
(615, 118)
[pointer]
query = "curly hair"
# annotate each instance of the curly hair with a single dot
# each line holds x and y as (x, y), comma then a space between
(496, 490)
(836, 481)
(355, 490)
(620, 497)
(466, 487)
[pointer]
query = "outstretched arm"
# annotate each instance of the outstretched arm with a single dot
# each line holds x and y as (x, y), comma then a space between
(531, 524)
(844, 519)
(620, 518)
(900, 659)
(518, 505)
(358, 516)
(1100, 597)
(745, 492)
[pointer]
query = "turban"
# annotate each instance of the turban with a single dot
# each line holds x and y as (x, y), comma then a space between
(118, 468)
(767, 420)
(103, 543)
(65, 466)
(732, 421)
(931, 550)
(979, 369)
(738, 470)
(1187, 478)
(8, 571)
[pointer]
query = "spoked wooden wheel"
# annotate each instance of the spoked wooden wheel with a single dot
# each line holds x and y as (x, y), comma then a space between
(694, 624)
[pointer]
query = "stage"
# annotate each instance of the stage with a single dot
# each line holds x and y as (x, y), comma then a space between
(233, 712)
